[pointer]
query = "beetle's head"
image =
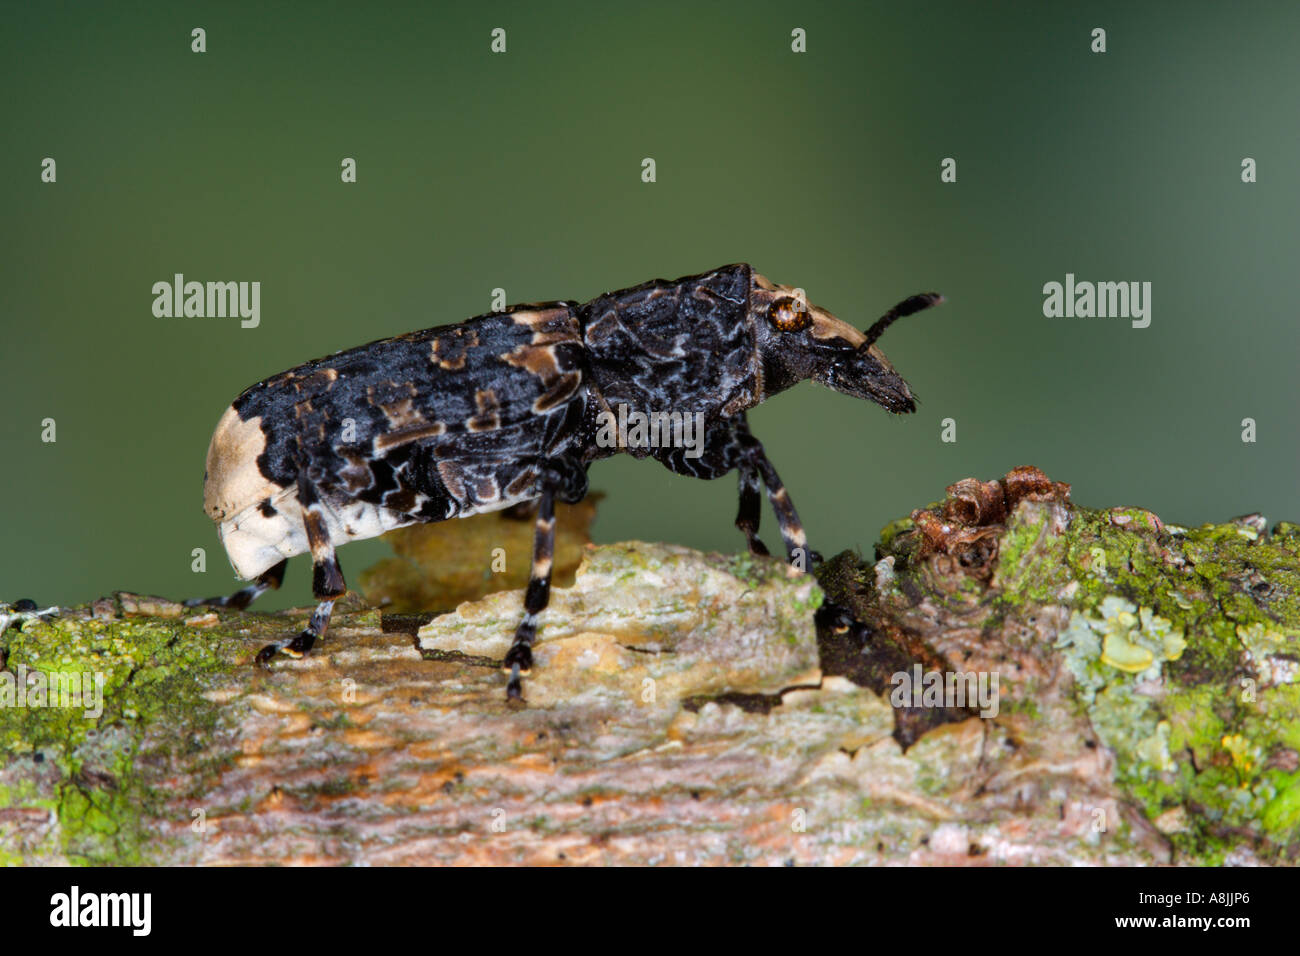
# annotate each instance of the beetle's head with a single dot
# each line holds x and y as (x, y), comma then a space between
(798, 341)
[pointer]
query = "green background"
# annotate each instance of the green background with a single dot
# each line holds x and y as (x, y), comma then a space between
(522, 171)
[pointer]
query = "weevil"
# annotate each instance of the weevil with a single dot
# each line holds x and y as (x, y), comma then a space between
(508, 407)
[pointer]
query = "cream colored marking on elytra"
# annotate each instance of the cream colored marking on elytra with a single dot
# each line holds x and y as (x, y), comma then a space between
(390, 440)
(489, 412)
(402, 414)
(533, 318)
(456, 345)
(321, 378)
(233, 481)
(558, 393)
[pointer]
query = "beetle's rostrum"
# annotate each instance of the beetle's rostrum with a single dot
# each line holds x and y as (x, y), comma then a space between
(506, 407)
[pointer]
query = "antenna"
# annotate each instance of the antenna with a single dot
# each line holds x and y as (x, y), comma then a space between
(908, 306)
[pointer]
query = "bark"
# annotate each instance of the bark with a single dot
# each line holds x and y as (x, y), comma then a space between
(697, 708)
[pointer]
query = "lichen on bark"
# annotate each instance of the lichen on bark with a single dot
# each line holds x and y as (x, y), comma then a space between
(692, 707)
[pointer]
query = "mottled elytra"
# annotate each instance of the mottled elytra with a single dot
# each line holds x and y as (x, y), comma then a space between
(515, 406)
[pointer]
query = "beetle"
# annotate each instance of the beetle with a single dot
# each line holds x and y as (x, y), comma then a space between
(509, 407)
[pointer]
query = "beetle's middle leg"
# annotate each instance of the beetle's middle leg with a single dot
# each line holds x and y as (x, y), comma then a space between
(519, 659)
(327, 582)
(566, 480)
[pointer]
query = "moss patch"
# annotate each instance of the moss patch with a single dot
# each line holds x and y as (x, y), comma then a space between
(87, 767)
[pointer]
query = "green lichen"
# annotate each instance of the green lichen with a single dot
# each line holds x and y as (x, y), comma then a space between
(87, 769)
(808, 606)
(1182, 643)
(746, 567)
(890, 532)
(1112, 655)
(1184, 646)
(1031, 558)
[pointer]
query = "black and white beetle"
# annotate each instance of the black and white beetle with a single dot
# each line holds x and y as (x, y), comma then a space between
(504, 408)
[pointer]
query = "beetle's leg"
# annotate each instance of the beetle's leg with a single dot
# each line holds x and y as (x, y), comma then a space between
(327, 582)
(787, 518)
(725, 447)
(563, 477)
(519, 659)
(269, 580)
(740, 450)
(751, 508)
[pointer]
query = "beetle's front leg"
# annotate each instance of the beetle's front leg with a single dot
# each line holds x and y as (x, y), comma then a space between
(269, 580)
(327, 582)
(725, 448)
(755, 460)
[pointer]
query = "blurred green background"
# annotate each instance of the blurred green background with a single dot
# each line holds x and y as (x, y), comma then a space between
(522, 171)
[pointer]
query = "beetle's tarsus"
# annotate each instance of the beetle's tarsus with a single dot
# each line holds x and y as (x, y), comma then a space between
(237, 601)
(835, 620)
(515, 688)
(269, 580)
(300, 645)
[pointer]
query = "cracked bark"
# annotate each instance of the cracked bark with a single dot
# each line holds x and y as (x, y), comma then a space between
(693, 708)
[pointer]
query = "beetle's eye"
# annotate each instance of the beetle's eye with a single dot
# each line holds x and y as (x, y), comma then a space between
(788, 315)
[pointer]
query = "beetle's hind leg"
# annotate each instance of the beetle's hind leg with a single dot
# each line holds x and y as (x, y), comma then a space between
(327, 582)
(269, 580)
